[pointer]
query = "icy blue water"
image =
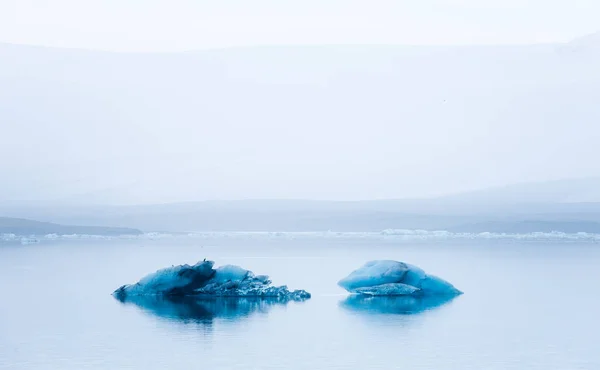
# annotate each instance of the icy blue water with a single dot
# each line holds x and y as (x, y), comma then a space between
(526, 306)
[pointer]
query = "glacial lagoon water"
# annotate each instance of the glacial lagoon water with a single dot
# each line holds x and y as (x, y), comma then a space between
(527, 305)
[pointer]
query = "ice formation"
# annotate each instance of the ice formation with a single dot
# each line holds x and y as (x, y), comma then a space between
(202, 280)
(400, 235)
(393, 278)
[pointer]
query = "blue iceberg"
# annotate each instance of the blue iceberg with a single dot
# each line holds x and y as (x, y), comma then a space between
(202, 280)
(393, 278)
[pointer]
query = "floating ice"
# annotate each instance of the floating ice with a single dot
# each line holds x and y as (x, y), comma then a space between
(390, 234)
(29, 240)
(387, 290)
(393, 278)
(8, 237)
(202, 280)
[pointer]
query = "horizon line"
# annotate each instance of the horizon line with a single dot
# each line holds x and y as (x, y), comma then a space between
(281, 46)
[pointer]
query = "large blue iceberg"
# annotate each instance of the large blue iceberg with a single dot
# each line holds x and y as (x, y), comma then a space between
(393, 278)
(202, 280)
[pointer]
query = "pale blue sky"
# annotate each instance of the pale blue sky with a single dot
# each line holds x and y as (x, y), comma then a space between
(152, 25)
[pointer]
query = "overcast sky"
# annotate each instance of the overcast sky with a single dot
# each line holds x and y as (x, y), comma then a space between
(353, 122)
(160, 25)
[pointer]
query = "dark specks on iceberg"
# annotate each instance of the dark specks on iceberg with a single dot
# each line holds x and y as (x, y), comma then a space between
(203, 280)
(393, 278)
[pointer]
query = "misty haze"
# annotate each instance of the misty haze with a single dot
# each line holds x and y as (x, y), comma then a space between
(436, 160)
(95, 131)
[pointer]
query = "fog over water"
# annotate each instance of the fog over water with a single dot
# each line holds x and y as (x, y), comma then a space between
(323, 100)
(450, 147)
(338, 123)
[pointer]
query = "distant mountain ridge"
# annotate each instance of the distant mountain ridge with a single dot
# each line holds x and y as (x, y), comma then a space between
(589, 42)
(19, 226)
(520, 208)
(577, 190)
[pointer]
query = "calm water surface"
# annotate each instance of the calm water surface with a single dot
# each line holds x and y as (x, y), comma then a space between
(526, 306)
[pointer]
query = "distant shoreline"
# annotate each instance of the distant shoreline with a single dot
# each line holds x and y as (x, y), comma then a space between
(392, 235)
(24, 227)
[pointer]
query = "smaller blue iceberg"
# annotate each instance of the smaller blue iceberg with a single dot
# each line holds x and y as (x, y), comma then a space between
(202, 280)
(393, 278)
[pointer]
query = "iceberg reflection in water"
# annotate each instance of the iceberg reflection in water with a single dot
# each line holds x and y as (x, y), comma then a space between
(203, 309)
(395, 305)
